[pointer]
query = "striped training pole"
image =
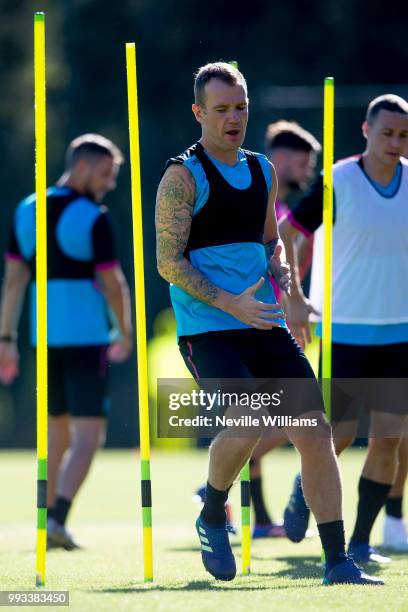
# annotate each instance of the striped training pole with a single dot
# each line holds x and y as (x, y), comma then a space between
(41, 292)
(245, 520)
(138, 262)
(328, 154)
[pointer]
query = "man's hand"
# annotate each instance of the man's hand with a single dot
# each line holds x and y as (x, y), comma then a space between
(298, 310)
(9, 359)
(246, 308)
(120, 350)
(16, 277)
(116, 291)
(280, 270)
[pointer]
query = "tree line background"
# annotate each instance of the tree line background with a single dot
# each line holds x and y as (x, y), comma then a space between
(278, 45)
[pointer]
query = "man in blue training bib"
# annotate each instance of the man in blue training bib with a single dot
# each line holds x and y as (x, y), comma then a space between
(84, 277)
(215, 216)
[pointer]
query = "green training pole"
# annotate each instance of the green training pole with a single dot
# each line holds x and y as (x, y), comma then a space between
(41, 293)
(140, 303)
(245, 520)
(328, 157)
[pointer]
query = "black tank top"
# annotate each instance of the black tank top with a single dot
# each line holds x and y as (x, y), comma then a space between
(230, 215)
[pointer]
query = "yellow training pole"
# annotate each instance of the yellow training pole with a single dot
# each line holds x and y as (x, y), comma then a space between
(328, 153)
(41, 289)
(138, 261)
(245, 520)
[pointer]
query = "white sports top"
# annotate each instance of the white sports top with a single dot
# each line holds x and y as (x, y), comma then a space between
(370, 250)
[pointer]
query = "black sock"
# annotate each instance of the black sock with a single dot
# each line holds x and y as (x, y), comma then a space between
(393, 507)
(213, 512)
(371, 498)
(261, 514)
(60, 510)
(333, 542)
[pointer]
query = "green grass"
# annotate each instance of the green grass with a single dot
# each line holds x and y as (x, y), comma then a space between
(108, 573)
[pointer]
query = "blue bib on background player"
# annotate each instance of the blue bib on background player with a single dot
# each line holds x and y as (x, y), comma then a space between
(76, 308)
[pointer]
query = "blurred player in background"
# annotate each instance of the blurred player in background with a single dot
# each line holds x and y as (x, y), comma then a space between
(84, 277)
(293, 151)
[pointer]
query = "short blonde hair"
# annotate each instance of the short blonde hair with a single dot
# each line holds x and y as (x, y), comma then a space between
(216, 70)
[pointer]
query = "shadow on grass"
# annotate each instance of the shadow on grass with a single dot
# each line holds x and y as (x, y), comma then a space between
(297, 567)
(194, 585)
(306, 567)
(203, 585)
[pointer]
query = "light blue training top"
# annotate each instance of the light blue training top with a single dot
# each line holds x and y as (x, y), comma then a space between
(233, 267)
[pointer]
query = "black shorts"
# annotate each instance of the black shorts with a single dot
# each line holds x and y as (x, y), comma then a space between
(254, 355)
(376, 378)
(370, 361)
(77, 381)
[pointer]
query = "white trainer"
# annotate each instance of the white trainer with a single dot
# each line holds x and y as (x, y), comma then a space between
(58, 536)
(395, 534)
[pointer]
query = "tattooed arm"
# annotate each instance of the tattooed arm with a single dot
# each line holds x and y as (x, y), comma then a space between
(174, 212)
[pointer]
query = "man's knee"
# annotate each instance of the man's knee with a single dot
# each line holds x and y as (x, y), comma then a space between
(265, 445)
(316, 439)
(384, 446)
(382, 457)
(59, 430)
(318, 447)
(340, 444)
(89, 436)
(225, 441)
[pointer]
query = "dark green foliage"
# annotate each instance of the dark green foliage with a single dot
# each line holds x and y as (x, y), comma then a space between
(275, 43)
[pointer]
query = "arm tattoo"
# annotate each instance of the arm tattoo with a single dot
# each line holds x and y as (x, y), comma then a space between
(270, 248)
(174, 211)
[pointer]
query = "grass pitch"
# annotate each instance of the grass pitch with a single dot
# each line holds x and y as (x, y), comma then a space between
(107, 574)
